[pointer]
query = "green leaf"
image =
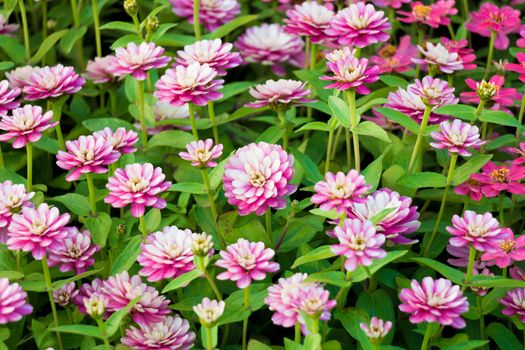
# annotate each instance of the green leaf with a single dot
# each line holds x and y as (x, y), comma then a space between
(71, 37)
(175, 40)
(188, 187)
(46, 45)
(11, 275)
(271, 135)
(99, 227)
(393, 80)
(61, 283)
(8, 174)
(231, 26)
(214, 337)
(468, 345)
(496, 281)
(373, 171)
(75, 202)
(232, 89)
(217, 173)
(171, 138)
(47, 144)
(452, 274)
(13, 49)
(114, 321)
(399, 118)
(255, 345)
(7, 261)
(504, 338)
(464, 112)
(182, 280)
(381, 215)
(312, 341)
(360, 275)
(320, 126)
(6, 65)
(330, 214)
(372, 129)
(100, 123)
(351, 319)
(336, 278)
(80, 329)
(128, 256)
(311, 171)
(366, 106)
(320, 253)
(340, 110)
(423, 179)
(153, 219)
(498, 117)
(125, 40)
(463, 172)
(118, 25)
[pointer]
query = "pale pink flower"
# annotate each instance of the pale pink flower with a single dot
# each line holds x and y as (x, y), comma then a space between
(26, 124)
(340, 54)
(13, 302)
(139, 185)
(6, 28)
(514, 303)
(202, 153)
(351, 73)
(376, 330)
(75, 252)
(65, 295)
(314, 301)
(212, 13)
(478, 230)
(392, 59)
(309, 19)
(280, 94)
(163, 111)
(457, 137)
(95, 306)
(466, 55)
(434, 301)
(37, 230)
(439, 57)
(209, 311)
(137, 60)
(13, 198)
(506, 251)
(122, 140)
(192, 84)
(245, 262)
(99, 71)
(281, 299)
(50, 82)
(87, 154)
(257, 177)
(202, 244)
(215, 53)
(166, 254)
(433, 91)
(8, 97)
(521, 41)
(19, 76)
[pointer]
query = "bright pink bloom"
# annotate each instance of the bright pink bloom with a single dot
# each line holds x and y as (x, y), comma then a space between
(8, 97)
(351, 73)
(471, 188)
(460, 257)
(19, 77)
(438, 56)
(433, 15)
(315, 301)
(279, 94)
(166, 254)
(51, 82)
(376, 330)
(391, 59)
(490, 18)
(359, 243)
(213, 52)
(87, 154)
(359, 25)
(99, 70)
(245, 262)
(514, 303)
(37, 230)
(518, 67)
(495, 179)
(74, 252)
(121, 289)
(340, 191)
(88, 290)
(503, 97)
(395, 4)
(434, 301)
(139, 185)
(6, 28)
(517, 273)
(13, 303)
(433, 91)
(65, 295)
(13, 198)
(521, 41)
(137, 60)
(507, 251)
(212, 13)
(257, 177)
(309, 19)
(465, 53)
(520, 152)
(478, 230)
(340, 54)
(202, 153)
(26, 124)
(122, 140)
(192, 84)
(170, 333)
(457, 137)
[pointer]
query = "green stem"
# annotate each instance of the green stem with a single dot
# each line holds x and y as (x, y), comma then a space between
(142, 112)
(212, 285)
(44, 20)
(297, 337)
(417, 146)
(350, 95)
(113, 102)
(245, 322)
(142, 225)
(313, 56)
(501, 210)
(420, 43)
(103, 333)
(96, 24)
(343, 292)
(464, 9)
(426, 337)
(91, 190)
(196, 20)
(29, 150)
(348, 149)
(136, 22)
(470, 267)
(211, 114)
(268, 219)
(2, 163)
(307, 52)
(490, 54)
(23, 14)
(282, 118)
(481, 318)
(209, 338)
(480, 107)
(520, 119)
(76, 23)
(328, 149)
(211, 201)
(192, 122)
(49, 288)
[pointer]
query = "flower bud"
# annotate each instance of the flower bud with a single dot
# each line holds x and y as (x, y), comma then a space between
(152, 24)
(485, 90)
(202, 244)
(209, 311)
(131, 7)
(95, 305)
(121, 229)
(377, 330)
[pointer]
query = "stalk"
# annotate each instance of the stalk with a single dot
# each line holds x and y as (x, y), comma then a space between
(196, 20)
(470, 267)
(297, 335)
(490, 54)
(348, 149)
(142, 226)
(268, 219)
(211, 201)
(23, 14)
(96, 24)
(192, 122)
(417, 146)
(350, 95)
(209, 338)
(245, 322)
(103, 333)
(49, 288)
(142, 112)
(76, 23)
(29, 160)
(520, 119)
(91, 190)
(328, 149)
(313, 56)
(284, 126)
(211, 114)
(426, 337)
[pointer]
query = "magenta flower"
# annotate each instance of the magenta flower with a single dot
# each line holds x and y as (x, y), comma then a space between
(192, 84)
(137, 60)
(309, 19)
(75, 252)
(202, 153)
(8, 97)
(65, 295)
(351, 73)
(505, 252)
(437, 56)
(87, 154)
(340, 191)
(87, 291)
(457, 137)
(209, 311)
(472, 188)
(359, 25)
(99, 70)
(359, 243)
(37, 230)
(280, 94)
(492, 90)
(166, 254)
(495, 179)
(479, 230)
(212, 52)
(465, 53)
(212, 13)
(519, 152)
(315, 301)
(460, 257)
(490, 18)
(13, 304)
(434, 301)
(121, 289)
(521, 41)
(139, 185)
(517, 273)
(433, 15)
(257, 177)
(281, 299)
(6, 28)
(122, 140)
(433, 91)
(13, 198)
(376, 330)
(245, 262)
(167, 334)
(481, 291)
(514, 303)
(51, 82)
(26, 124)
(518, 67)
(392, 59)
(19, 76)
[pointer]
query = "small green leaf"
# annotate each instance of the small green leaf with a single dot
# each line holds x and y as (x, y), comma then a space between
(100, 123)
(182, 280)
(75, 202)
(463, 172)
(118, 25)
(360, 275)
(320, 126)
(311, 171)
(372, 129)
(46, 45)
(72, 36)
(6, 65)
(13, 49)
(114, 321)
(503, 337)
(399, 118)
(373, 172)
(393, 80)
(423, 179)
(499, 117)
(336, 278)
(232, 89)
(330, 214)
(464, 112)
(99, 227)
(128, 256)
(171, 138)
(320, 253)
(61, 283)
(452, 274)
(340, 110)
(231, 26)
(188, 187)
(80, 329)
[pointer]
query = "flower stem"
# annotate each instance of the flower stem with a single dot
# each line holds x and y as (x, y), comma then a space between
(29, 160)
(212, 285)
(211, 201)
(490, 54)
(192, 122)
(49, 288)
(284, 126)
(417, 146)
(245, 322)
(481, 318)
(76, 23)
(23, 14)
(313, 56)
(91, 190)
(420, 34)
(142, 112)
(268, 219)
(426, 337)
(348, 149)
(464, 9)
(520, 119)
(470, 267)
(44, 23)
(196, 20)
(103, 333)
(96, 24)
(142, 225)
(328, 149)
(450, 177)
(211, 114)
(209, 338)
(113, 102)
(350, 95)
(297, 337)
(343, 292)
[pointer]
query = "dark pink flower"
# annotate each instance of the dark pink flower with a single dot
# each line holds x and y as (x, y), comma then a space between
(518, 67)
(309, 19)
(314, 301)
(502, 97)
(26, 124)
(521, 41)
(8, 97)
(520, 152)
(137, 60)
(13, 302)
(86, 291)
(279, 94)
(351, 73)
(433, 91)
(495, 179)
(514, 303)
(212, 13)
(392, 59)
(74, 252)
(122, 140)
(507, 251)
(212, 52)
(517, 273)
(395, 4)
(471, 188)
(433, 15)
(457, 137)
(65, 295)
(51, 82)
(465, 53)
(478, 230)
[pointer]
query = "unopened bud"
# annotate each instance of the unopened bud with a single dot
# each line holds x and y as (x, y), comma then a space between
(95, 305)
(121, 229)
(152, 24)
(131, 7)
(485, 90)
(202, 244)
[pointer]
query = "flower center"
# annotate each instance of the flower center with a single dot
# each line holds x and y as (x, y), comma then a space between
(38, 228)
(422, 10)
(508, 246)
(63, 298)
(500, 175)
(24, 122)
(457, 139)
(49, 81)
(387, 51)
(258, 179)
(357, 244)
(434, 300)
(74, 252)
(361, 22)
(476, 230)
(247, 261)
(201, 154)
(486, 90)
(137, 184)
(87, 154)
(174, 251)
(158, 334)
(496, 17)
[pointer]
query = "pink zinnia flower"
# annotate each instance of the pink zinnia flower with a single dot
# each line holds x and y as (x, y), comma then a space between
(340, 191)
(245, 262)
(139, 185)
(315, 301)
(340, 54)
(490, 18)
(518, 67)
(8, 97)
(465, 53)
(166, 254)
(202, 153)
(65, 295)
(395, 4)
(209, 311)
(13, 303)
(122, 140)
(212, 13)
(495, 179)
(433, 91)
(479, 230)
(376, 330)
(410, 103)
(280, 94)
(270, 45)
(481, 291)
(13, 198)
(163, 111)
(471, 188)
(501, 97)
(439, 57)
(37, 230)
(520, 152)
(74, 252)
(457, 137)
(170, 333)
(192, 84)
(19, 77)
(87, 291)
(257, 177)
(514, 303)
(460, 257)
(433, 15)
(392, 59)
(359, 243)
(99, 70)
(505, 252)
(309, 19)
(26, 124)
(51, 82)
(359, 25)
(521, 41)
(351, 73)
(434, 301)
(121, 289)
(6, 28)
(517, 273)
(212, 52)
(87, 154)
(137, 60)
